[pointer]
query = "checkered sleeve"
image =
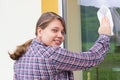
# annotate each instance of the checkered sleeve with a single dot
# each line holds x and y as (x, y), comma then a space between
(68, 60)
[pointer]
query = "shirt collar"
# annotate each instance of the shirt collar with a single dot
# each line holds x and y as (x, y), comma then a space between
(35, 40)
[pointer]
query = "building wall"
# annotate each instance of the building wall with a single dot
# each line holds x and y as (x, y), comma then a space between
(17, 24)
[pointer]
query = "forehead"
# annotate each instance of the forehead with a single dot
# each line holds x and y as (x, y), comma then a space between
(56, 23)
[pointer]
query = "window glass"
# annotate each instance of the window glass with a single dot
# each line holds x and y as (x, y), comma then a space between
(109, 69)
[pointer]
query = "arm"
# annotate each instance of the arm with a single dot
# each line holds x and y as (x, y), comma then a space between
(67, 60)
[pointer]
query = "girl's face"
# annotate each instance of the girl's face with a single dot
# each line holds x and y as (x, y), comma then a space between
(53, 34)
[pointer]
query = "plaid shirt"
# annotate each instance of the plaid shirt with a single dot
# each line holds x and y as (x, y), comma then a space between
(42, 62)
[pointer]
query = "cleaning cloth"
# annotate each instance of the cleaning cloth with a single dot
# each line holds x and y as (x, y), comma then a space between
(105, 11)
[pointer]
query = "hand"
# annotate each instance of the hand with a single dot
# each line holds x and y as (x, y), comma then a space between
(105, 26)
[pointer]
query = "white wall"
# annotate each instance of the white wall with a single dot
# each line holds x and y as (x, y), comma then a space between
(17, 24)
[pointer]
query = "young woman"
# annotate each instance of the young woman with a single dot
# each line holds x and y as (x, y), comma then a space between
(42, 58)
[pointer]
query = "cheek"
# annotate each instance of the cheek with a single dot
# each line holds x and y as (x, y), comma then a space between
(47, 39)
(63, 38)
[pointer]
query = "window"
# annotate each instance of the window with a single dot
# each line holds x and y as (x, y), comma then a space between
(109, 69)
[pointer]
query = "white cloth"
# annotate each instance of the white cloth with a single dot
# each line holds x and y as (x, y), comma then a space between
(104, 11)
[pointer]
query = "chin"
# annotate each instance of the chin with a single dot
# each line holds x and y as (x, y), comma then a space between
(56, 45)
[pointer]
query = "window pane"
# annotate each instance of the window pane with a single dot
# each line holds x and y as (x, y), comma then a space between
(109, 69)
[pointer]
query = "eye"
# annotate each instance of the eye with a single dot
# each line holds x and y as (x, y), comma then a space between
(63, 33)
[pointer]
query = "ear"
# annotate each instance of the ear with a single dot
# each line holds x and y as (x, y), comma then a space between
(39, 31)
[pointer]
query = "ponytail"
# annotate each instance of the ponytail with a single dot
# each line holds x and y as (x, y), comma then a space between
(21, 49)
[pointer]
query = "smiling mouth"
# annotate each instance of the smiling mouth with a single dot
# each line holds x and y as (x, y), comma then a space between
(57, 42)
